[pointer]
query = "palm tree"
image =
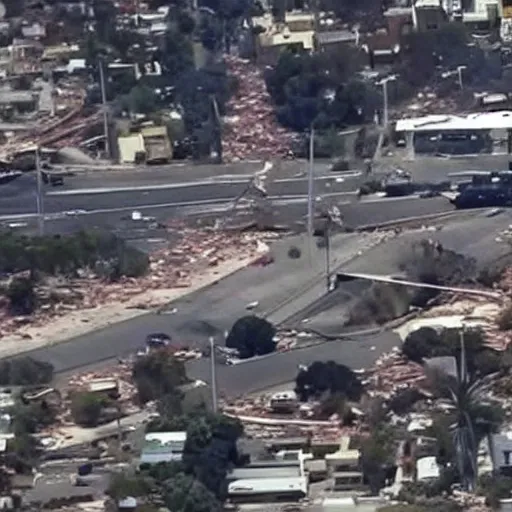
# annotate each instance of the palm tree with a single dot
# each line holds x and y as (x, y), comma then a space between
(468, 399)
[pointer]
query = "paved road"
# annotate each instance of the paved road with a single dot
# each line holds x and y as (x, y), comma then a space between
(430, 168)
(18, 197)
(214, 310)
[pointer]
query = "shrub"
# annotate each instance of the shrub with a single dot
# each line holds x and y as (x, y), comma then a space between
(370, 187)
(294, 253)
(22, 296)
(505, 318)
(28, 419)
(404, 401)
(495, 488)
(67, 254)
(86, 408)
(25, 371)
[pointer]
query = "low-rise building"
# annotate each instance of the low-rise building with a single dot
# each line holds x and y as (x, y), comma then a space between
(268, 490)
(157, 145)
(348, 481)
(316, 469)
(501, 453)
(163, 447)
(18, 101)
(256, 473)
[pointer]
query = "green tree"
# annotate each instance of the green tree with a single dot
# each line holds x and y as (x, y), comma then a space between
(495, 488)
(29, 418)
(327, 376)
(210, 449)
(157, 375)
(163, 471)
(251, 336)
(142, 100)
(86, 408)
(183, 493)
(473, 418)
(123, 485)
(377, 452)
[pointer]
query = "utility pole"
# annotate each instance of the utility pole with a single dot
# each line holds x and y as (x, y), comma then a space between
(105, 109)
(311, 181)
(384, 83)
(39, 193)
(385, 92)
(213, 374)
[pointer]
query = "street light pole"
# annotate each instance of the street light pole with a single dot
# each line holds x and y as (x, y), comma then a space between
(385, 93)
(328, 253)
(213, 374)
(39, 193)
(460, 69)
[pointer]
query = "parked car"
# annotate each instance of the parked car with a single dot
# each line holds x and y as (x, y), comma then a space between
(157, 340)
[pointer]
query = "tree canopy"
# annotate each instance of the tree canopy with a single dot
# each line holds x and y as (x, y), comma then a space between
(252, 336)
(157, 375)
(184, 493)
(321, 377)
(426, 343)
(321, 89)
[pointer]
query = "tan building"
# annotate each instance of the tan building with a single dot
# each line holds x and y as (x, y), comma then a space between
(157, 145)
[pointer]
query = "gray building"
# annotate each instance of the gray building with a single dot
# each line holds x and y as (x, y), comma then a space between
(501, 453)
(255, 473)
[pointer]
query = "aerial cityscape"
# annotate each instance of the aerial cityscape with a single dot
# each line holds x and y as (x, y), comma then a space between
(256, 255)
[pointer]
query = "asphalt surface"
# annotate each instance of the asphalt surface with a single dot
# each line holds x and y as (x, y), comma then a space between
(477, 237)
(436, 169)
(282, 289)
(19, 196)
(213, 311)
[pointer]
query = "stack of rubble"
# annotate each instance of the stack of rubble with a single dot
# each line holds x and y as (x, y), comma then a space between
(121, 373)
(393, 373)
(251, 128)
(325, 434)
(170, 268)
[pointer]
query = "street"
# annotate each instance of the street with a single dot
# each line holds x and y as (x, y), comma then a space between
(282, 290)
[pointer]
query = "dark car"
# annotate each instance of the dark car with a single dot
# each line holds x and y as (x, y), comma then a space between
(157, 340)
(53, 179)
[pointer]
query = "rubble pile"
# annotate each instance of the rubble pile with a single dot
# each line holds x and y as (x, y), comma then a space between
(67, 130)
(251, 129)
(173, 267)
(121, 373)
(317, 434)
(393, 373)
(505, 283)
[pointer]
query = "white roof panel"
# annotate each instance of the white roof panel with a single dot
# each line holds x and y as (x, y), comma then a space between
(427, 468)
(268, 485)
(480, 121)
